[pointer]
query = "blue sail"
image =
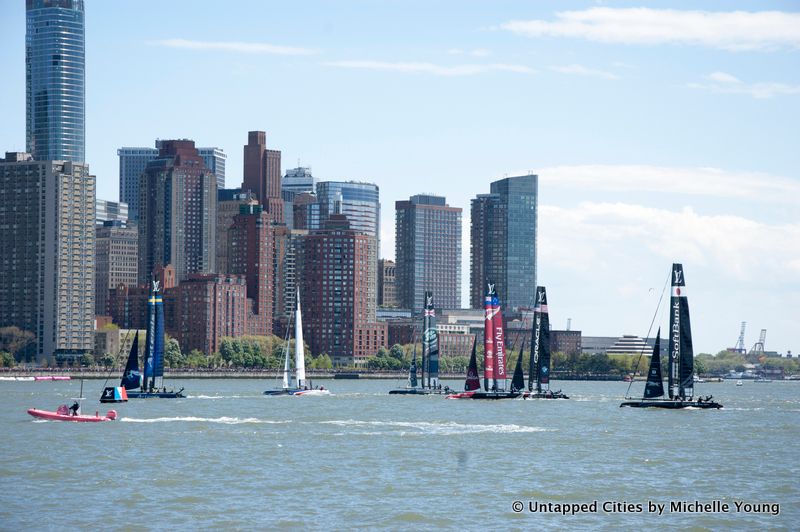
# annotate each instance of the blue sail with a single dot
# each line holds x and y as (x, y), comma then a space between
(158, 347)
(150, 340)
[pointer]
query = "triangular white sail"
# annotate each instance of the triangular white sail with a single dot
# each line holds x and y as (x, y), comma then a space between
(286, 368)
(299, 350)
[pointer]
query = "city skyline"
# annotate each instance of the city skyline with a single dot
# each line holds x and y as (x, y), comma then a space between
(678, 147)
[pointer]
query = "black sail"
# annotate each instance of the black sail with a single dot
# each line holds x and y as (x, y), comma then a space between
(681, 353)
(473, 381)
(430, 340)
(131, 377)
(655, 385)
(540, 342)
(518, 381)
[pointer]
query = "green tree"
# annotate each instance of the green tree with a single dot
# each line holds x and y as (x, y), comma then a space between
(107, 360)
(173, 358)
(87, 360)
(19, 343)
(397, 352)
(7, 360)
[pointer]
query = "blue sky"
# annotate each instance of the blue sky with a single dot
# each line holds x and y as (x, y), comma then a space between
(664, 133)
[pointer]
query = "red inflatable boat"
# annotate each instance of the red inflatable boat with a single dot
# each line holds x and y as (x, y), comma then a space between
(63, 414)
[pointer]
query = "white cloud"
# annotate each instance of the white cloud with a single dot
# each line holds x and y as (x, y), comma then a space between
(431, 68)
(721, 82)
(730, 30)
(715, 182)
(477, 52)
(580, 70)
(231, 46)
(621, 234)
(723, 77)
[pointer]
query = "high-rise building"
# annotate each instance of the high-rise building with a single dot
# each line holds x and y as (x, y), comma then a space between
(47, 254)
(177, 212)
(305, 211)
(262, 174)
(209, 307)
(228, 203)
(360, 203)
(110, 211)
(428, 251)
(55, 75)
(215, 161)
(503, 242)
(287, 263)
(334, 293)
(298, 180)
(250, 251)
(133, 161)
(116, 263)
(387, 283)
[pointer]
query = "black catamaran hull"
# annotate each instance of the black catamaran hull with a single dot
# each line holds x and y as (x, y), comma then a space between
(485, 395)
(156, 395)
(418, 391)
(670, 404)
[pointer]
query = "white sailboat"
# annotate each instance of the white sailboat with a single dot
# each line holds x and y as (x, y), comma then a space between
(300, 386)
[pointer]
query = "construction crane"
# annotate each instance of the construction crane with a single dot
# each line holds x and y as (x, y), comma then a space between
(740, 344)
(758, 347)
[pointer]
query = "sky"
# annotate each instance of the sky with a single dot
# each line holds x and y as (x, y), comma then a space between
(661, 132)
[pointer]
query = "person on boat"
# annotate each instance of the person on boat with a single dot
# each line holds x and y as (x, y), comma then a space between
(321, 387)
(74, 408)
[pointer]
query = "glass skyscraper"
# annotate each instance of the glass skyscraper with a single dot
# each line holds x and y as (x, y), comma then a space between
(55, 80)
(360, 203)
(503, 242)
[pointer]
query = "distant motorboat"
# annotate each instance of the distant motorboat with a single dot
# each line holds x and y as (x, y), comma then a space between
(762, 379)
(738, 383)
(63, 414)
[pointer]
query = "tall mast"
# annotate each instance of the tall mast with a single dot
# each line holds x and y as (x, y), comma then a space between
(681, 353)
(489, 382)
(426, 381)
(430, 340)
(150, 338)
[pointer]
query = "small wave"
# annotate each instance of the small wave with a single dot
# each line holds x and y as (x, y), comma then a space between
(449, 427)
(222, 420)
(215, 396)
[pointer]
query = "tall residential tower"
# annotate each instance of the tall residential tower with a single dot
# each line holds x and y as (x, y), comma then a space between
(177, 212)
(55, 77)
(428, 252)
(47, 254)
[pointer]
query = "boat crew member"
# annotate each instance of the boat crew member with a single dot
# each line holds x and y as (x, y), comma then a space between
(75, 408)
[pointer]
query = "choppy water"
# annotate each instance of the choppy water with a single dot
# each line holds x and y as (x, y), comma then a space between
(229, 457)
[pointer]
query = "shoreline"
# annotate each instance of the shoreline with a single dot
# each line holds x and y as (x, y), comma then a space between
(271, 374)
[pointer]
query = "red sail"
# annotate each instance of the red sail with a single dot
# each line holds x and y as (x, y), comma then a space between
(499, 345)
(488, 341)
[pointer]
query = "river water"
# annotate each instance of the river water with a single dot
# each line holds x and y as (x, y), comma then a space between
(229, 457)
